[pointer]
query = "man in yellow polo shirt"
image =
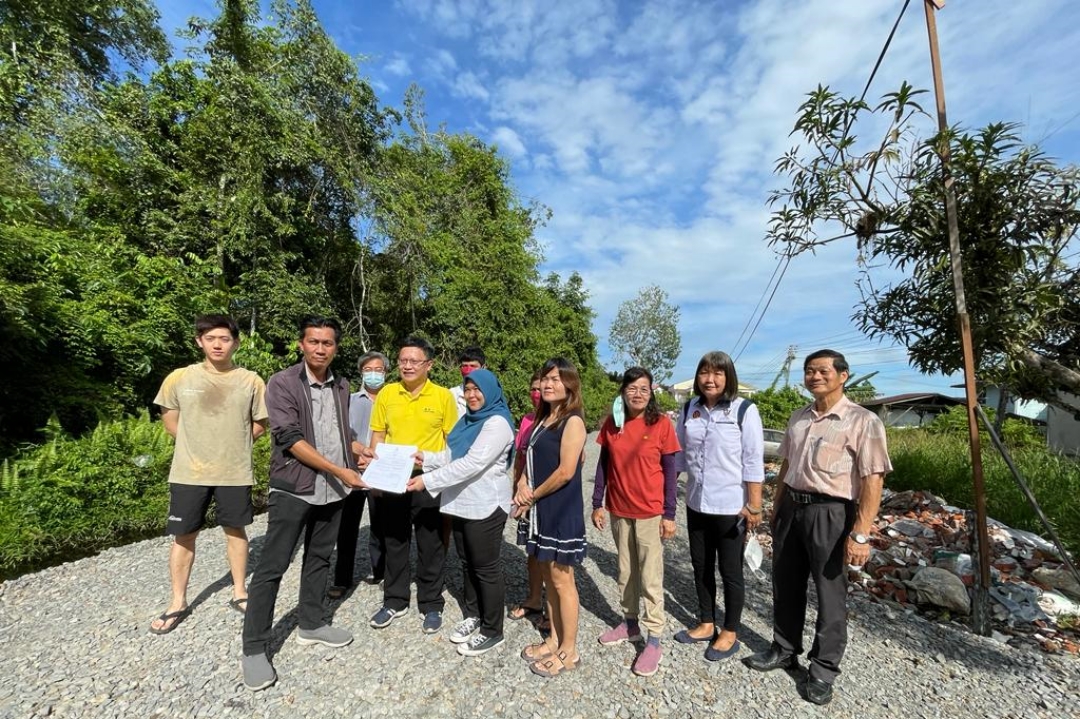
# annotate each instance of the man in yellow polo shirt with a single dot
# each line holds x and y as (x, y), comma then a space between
(414, 411)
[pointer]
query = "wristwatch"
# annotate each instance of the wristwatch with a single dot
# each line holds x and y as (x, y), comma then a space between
(860, 539)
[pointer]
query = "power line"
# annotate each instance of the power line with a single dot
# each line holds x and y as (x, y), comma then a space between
(754, 312)
(785, 260)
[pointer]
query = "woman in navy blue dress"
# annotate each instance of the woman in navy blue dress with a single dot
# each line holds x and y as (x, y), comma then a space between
(551, 489)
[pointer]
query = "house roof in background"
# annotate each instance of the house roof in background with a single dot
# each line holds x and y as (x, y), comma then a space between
(914, 398)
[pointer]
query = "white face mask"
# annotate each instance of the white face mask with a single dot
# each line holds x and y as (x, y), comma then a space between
(374, 380)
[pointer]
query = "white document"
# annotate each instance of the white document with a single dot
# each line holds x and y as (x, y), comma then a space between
(391, 468)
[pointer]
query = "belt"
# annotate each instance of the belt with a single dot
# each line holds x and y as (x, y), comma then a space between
(799, 497)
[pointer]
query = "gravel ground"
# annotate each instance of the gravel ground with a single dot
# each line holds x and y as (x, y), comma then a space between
(74, 643)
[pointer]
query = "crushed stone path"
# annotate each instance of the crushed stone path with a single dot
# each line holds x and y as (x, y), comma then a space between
(74, 643)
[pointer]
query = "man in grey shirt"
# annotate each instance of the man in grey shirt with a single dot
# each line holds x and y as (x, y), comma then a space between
(372, 366)
(312, 469)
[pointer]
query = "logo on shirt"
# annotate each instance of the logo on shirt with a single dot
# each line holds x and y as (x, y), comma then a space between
(696, 414)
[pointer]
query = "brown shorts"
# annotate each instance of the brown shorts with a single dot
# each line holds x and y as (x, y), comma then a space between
(188, 505)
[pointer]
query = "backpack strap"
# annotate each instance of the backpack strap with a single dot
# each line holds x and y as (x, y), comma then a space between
(741, 412)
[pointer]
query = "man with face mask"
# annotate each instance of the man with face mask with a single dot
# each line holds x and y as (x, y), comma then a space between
(471, 358)
(372, 366)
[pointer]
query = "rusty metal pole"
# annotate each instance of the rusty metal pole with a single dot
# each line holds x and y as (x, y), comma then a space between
(981, 609)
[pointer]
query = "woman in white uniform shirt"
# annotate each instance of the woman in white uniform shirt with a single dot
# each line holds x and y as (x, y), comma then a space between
(473, 486)
(723, 448)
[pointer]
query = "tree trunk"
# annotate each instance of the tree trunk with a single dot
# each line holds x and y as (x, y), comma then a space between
(1002, 405)
(1061, 376)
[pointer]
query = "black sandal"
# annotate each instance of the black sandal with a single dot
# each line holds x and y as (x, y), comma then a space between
(175, 617)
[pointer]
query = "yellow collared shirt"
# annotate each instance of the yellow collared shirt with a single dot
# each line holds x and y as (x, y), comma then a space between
(423, 420)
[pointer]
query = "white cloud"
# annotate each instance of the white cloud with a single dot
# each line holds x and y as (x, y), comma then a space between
(468, 85)
(442, 63)
(652, 128)
(398, 65)
(509, 142)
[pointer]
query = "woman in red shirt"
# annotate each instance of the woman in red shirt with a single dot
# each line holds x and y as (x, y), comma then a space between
(636, 473)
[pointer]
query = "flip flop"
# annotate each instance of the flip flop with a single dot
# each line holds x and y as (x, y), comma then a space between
(554, 665)
(239, 605)
(523, 611)
(175, 617)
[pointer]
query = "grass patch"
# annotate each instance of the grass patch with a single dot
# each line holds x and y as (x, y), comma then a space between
(941, 463)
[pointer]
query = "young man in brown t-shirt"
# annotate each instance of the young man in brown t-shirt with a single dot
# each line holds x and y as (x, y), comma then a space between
(215, 410)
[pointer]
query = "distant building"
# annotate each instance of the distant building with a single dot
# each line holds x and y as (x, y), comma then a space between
(681, 391)
(915, 409)
(1062, 426)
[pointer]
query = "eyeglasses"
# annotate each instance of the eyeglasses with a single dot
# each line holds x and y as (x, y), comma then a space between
(412, 362)
(638, 391)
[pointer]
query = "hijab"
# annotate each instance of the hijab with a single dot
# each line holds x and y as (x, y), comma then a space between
(467, 429)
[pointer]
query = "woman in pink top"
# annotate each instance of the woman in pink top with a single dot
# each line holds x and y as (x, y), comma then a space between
(532, 606)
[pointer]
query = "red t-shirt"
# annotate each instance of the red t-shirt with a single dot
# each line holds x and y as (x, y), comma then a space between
(634, 477)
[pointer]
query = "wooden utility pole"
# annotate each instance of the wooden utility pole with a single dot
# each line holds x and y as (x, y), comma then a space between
(981, 609)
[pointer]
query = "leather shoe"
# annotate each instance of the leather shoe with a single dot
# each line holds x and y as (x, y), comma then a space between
(772, 659)
(817, 691)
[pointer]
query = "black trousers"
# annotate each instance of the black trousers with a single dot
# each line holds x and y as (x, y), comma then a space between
(809, 541)
(290, 517)
(479, 542)
(352, 510)
(716, 537)
(400, 515)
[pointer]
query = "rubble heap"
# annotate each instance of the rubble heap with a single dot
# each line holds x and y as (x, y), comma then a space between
(921, 559)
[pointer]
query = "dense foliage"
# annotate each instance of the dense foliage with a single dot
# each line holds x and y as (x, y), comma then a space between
(258, 174)
(72, 497)
(776, 405)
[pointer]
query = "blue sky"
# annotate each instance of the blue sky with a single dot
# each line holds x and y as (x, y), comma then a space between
(650, 130)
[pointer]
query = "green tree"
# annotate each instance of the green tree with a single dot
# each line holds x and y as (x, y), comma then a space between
(1018, 218)
(776, 405)
(862, 391)
(256, 174)
(645, 332)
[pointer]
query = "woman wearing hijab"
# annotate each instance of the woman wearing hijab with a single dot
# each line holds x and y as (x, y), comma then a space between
(474, 491)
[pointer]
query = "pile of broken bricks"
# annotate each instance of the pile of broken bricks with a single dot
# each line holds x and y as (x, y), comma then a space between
(922, 560)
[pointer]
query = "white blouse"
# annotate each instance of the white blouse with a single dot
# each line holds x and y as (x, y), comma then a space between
(473, 486)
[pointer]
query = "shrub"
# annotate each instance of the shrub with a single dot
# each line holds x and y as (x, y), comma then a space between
(1017, 434)
(666, 402)
(73, 497)
(776, 405)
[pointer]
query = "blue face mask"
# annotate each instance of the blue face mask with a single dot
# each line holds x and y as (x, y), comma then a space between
(374, 380)
(618, 412)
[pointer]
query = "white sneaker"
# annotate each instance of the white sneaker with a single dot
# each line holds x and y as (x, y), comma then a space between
(464, 630)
